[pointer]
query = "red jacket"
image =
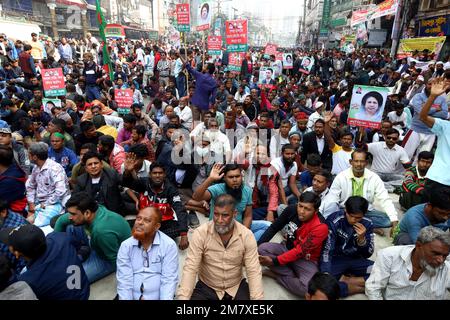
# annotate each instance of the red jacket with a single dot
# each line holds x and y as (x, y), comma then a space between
(308, 243)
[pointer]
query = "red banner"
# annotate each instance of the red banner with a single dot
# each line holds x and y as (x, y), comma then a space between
(214, 43)
(279, 56)
(236, 31)
(124, 98)
(271, 49)
(183, 14)
(54, 82)
(235, 60)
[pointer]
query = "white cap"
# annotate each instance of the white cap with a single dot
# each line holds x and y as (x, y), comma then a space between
(420, 78)
(318, 105)
(439, 62)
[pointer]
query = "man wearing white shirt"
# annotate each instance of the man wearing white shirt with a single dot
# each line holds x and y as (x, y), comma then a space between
(185, 113)
(286, 168)
(180, 77)
(149, 65)
(359, 181)
(414, 272)
(220, 144)
(277, 141)
(319, 106)
(387, 157)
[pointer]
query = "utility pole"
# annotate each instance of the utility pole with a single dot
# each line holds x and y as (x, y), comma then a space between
(397, 28)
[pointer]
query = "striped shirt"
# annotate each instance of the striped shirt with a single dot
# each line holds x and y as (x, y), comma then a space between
(391, 273)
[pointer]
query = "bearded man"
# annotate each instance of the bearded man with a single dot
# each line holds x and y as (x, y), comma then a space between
(219, 251)
(157, 191)
(232, 185)
(140, 275)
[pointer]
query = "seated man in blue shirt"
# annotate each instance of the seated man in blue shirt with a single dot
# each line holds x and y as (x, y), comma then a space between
(232, 185)
(435, 213)
(63, 155)
(54, 271)
(349, 245)
(147, 263)
(313, 166)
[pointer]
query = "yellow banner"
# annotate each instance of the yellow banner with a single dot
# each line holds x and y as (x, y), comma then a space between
(407, 46)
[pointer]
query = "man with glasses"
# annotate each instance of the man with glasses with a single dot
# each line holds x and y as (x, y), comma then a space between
(147, 263)
(219, 251)
(387, 157)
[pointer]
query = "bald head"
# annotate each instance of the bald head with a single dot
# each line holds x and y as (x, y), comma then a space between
(150, 212)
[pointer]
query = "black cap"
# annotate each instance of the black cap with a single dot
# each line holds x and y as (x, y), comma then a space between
(27, 239)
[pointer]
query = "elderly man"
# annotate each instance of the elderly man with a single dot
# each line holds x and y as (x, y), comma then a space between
(147, 263)
(218, 252)
(414, 272)
(47, 186)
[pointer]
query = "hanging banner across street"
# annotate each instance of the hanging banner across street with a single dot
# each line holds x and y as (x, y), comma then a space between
(375, 11)
(408, 46)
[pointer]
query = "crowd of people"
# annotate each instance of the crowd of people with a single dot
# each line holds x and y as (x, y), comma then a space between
(88, 189)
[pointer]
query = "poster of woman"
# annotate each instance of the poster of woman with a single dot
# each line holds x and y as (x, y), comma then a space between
(288, 61)
(367, 106)
(204, 15)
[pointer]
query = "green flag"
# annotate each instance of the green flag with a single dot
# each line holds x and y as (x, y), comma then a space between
(102, 25)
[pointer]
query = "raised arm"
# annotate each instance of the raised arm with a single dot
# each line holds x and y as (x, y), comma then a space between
(327, 130)
(438, 87)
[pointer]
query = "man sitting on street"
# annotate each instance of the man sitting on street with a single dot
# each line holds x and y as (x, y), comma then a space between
(359, 181)
(435, 212)
(413, 187)
(47, 186)
(349, 245)
(218, 252)
(106, 230)
(147, 263)
(294, 263)
(414, 272)
(156, 190)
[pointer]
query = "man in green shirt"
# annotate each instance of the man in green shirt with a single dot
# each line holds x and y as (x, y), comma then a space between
(99, 232)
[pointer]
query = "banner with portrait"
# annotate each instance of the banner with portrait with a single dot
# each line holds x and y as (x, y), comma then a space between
(288, 61)
(307, 64)
(49, 103)
(204, 15)
(266, 77)
(367, 106)
(235, 60)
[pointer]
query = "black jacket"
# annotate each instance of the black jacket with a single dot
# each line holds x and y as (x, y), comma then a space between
(309, 145)
(109, 194)
(169, 195)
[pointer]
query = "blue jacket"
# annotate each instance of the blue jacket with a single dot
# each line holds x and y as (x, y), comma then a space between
(342, 240)
(205, 88)
(67, 158)
(50, 274)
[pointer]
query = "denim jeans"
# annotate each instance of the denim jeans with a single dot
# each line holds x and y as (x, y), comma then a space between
(181, 85)
(92, 93)
(379, 219)
(95, 267)
(258, 228)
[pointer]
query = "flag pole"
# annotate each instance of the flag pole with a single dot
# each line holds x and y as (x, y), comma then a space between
(102, 25)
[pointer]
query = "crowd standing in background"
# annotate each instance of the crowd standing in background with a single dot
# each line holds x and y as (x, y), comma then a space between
(85, 182)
